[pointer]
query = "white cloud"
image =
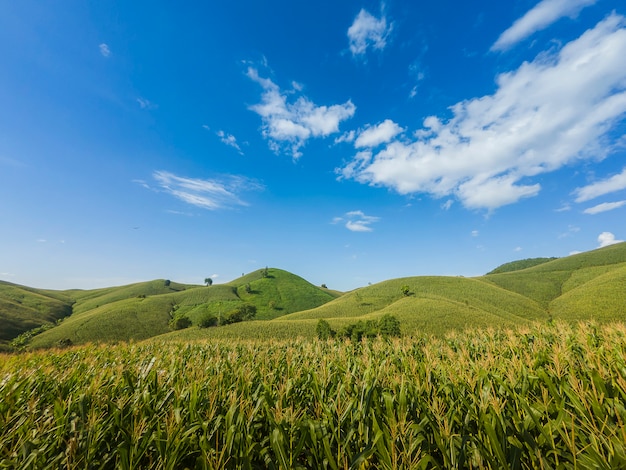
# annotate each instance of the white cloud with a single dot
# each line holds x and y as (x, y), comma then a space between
(600, 188)
(368, 31)
(475, 233)
(104, 50)
(292, 124)
(606, 239)
(517, 249)
(604, 207)
(356, 221)
(548, 113)
(540, 17)
(211, 194)
(346, 137)
(229, 140)
(381, 133)
(447, 205)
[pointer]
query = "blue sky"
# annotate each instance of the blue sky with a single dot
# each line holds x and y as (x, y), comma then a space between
(347, 142)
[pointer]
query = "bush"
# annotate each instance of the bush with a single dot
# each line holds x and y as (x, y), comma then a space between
(242, 313)
(208, 320)
(387, 326)
(324, 331)
(180, 323)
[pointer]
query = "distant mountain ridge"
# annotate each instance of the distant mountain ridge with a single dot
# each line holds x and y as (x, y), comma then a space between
(588, 285)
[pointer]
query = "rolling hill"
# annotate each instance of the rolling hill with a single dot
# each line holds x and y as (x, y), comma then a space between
(143, 310)
(584, 286)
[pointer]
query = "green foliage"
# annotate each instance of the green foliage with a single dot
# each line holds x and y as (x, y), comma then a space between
(323, 330)
(241, 313)
(389, 326)
(540, 397)
(208, 320)
(180, 322)
(208, 281)
(406, 290)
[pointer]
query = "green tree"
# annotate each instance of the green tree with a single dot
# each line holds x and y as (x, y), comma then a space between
(388, 326)
(242, 313)
(208, 320)
(323, 330)
(208, 281)
(180, 322)
(406, 290)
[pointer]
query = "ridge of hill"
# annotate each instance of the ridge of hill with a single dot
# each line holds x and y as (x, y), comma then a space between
(519, 265)
(583, 286)
(140, 311)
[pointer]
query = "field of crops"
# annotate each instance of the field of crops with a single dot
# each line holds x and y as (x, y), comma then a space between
(551, 396)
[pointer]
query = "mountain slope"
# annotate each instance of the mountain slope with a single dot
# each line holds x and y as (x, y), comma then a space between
(23, 308)
(143, 310)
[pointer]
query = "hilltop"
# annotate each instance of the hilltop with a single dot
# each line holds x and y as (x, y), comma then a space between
(583, 286)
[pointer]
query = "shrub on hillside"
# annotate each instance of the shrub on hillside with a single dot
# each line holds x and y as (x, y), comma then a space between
(323, 330)
(180, 323)
(208, 320)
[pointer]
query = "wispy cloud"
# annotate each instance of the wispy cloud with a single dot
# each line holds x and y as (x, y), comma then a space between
(548, 113)
(604, 207)
(600, 188)
(540, 17)
(607, 238)
(368, 31)
(146, 104)
(357, 221)
(211, 194)
(288, 126)
(229, 140)
(104, 50)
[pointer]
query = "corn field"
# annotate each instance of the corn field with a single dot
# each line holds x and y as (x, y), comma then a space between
(550, 396)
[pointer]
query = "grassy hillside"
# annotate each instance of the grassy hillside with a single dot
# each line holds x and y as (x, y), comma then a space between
(143, 310)
(23, 308)
(583, 286)
(520, 264)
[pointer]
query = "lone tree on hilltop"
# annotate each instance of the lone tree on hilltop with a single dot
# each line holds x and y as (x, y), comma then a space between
(406, 290)
(208, 281)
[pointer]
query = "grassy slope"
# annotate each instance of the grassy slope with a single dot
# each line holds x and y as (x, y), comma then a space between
(576, 287)
(23, 308)
(123, 313)
(583, 286)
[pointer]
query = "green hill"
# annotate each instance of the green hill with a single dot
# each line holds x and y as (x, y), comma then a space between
(584, 286)
(520, 264)
(23, 308)
(143, 310)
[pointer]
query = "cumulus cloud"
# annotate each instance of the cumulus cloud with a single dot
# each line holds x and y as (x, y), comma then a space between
(540, 17)
(381, 133)
(211, 194)
(368, 31)
(548, 113)
(104, 50)
(604, 207)
(357, 221)
(288, 126)
(229, 140)
(606, 239)
(600, 188)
